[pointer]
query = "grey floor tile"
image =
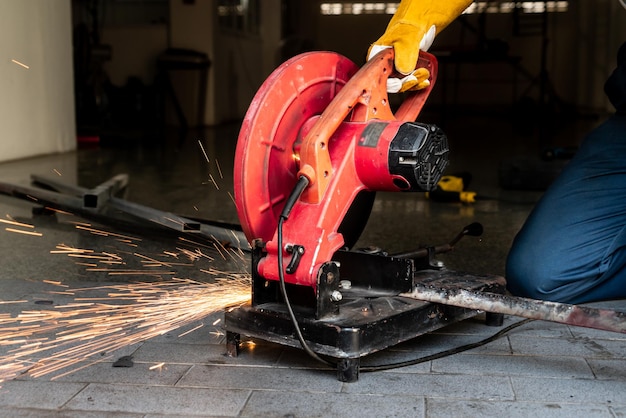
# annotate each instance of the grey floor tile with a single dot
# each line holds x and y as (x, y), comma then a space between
(39, 413)
(140, 373)
(206, 331)
(44, 395)
(320, 405)
(174, 352)
(435, 343)
(579, 347)
(181, 416)
(619, 411)
(596, 334)
(160, 400)
(261, 378)
(444, 408)
(488, 388)
(543, 329)
(554, 366)
(608, 369)
(578, 391)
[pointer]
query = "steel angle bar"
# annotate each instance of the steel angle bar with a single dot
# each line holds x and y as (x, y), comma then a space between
(577, 315)
(179, 223)
(40, 196)
(94, 198)
(57, 185)
(72, 198)
(100, 195)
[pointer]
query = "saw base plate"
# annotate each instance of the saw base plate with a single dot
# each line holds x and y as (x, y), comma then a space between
(366, 322)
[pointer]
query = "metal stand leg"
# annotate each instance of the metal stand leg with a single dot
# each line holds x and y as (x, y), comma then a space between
(348, 369)
(494, 319)
(232, 344)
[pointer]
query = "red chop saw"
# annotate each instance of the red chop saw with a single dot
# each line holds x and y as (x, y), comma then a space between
(318, 140)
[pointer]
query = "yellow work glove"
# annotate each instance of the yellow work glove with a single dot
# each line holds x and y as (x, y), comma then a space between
(413, 28)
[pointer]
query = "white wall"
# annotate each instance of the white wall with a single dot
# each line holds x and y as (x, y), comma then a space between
(36, 103)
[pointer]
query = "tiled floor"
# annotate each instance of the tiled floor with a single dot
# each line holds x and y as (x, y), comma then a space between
(538, 369)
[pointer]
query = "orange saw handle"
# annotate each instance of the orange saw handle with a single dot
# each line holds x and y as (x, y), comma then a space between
(363, 98)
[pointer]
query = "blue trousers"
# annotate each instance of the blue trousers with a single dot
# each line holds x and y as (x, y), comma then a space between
(572, 247)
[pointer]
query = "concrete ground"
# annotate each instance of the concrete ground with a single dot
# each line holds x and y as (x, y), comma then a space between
(538, 369)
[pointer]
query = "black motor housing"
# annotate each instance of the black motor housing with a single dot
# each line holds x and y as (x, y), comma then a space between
(419, 154)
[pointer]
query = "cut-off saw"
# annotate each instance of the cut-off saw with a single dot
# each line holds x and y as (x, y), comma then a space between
(319, 139)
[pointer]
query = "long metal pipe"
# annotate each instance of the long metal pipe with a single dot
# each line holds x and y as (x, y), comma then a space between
(577, 315)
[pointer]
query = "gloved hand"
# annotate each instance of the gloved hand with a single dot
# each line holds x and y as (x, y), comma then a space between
(413, 28)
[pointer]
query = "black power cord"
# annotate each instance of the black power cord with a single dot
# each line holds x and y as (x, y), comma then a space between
(302, 184)
(441, 354)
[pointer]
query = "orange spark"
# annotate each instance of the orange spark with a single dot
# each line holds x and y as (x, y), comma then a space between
(19, 231)
(64, 338)
(213, 180)
(203, 151)
(20, 64)
(56, 283)
(157, 366)
(190, 331)
(105, 233)
(14, 223)
(58, 210)
(219, 170)
(231, 197)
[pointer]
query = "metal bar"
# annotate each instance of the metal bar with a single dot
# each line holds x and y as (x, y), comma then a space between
(182, 224)
(474, 229)
(100, 195)
(94, 198)
(424, 252)
(40, 196)
(71, 202)
(56, 185)
(580, 316)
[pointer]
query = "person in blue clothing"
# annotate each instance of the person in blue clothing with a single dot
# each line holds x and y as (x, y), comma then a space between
(572, 247)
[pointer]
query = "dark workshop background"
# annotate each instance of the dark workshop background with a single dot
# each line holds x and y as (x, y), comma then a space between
(135, 68)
